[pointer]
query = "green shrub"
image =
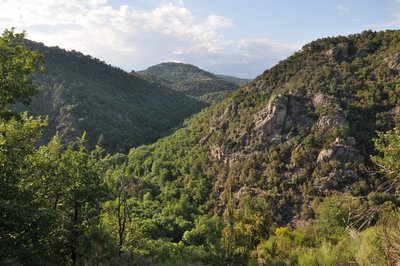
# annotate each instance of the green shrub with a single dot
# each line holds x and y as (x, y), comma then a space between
(369, 250)
(308, 258)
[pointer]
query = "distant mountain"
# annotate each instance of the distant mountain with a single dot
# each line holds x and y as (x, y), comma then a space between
(238, 81)
(189, 79)
(80, 93)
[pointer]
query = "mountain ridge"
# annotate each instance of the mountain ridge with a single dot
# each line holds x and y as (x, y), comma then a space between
(81, 93)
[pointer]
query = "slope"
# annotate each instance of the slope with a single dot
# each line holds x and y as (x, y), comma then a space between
(119, 111)
(190, 80)
(297, 133)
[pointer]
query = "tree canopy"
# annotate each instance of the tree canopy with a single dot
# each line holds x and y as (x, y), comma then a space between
(17, 63)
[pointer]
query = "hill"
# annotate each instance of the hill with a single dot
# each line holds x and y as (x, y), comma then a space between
(298, 133)
(190, 80)
(298, 167)
(117, 110)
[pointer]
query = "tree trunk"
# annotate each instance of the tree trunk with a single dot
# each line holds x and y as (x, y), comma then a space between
(73, 237)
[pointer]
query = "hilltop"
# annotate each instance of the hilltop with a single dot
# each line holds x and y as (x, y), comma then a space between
(190, 80)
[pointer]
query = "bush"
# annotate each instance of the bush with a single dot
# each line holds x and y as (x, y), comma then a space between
(308, 259)
(370, 249)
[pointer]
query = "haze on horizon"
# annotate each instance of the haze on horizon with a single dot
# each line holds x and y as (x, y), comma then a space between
(239, 38)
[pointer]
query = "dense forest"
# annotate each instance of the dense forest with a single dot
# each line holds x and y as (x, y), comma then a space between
(191, 81)
(298, 167)
(119, 111)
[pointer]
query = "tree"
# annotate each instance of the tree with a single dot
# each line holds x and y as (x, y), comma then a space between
(17, 63)
(82, 191)
(118, 211)
(21, 221)
(388, 146)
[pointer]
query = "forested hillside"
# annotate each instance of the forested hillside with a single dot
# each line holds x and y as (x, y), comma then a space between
(117, 110)
(268, 155)
(190, 80)
(298, 167)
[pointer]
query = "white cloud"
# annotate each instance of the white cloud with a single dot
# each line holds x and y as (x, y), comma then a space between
(265, 48)
(247, 58)
(394, 23)
(218, 22)
(131, 38)
(342, 10)
(98, 2)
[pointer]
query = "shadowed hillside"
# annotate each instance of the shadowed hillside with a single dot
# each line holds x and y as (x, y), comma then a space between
(117, 110)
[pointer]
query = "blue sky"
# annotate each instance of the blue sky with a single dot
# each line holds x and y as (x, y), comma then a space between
(233, 37)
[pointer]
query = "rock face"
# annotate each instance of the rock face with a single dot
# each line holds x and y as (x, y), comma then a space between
(332, 119)
(218, 153)
(341, 51)
(342, 150)
(288, 113)
(322, 100)
(282, 114)
(279, 123)
(394, 62)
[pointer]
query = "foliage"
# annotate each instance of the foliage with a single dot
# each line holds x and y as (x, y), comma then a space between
(22, 221)
(388, 146)
(370, 250)
(16, 64)
(221, 190)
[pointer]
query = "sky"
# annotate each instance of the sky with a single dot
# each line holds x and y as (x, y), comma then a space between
(241, 38)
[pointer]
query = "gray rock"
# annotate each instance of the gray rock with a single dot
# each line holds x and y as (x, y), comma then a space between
(321, 100)
(340, 51)
(330, 122)
(282, 114)
(394, 61)
(342, 150)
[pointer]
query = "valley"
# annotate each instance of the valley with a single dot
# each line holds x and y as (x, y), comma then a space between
(296, 167)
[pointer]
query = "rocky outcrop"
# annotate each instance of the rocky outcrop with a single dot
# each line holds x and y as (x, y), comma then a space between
(326, 122)
(340, 51)
(393, 62)
(323, 100)
(218, 153)
(281, 115)
(342, 150)
(334, 117)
